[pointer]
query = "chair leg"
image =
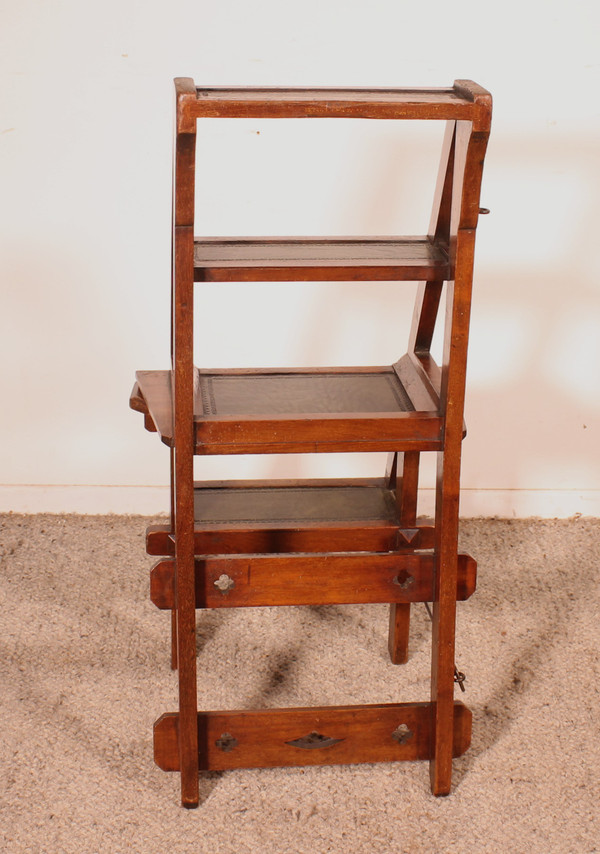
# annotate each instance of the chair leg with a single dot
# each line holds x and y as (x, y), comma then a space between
(443, 627)
(403, 476)
(399, 633)
(447, 499)
(173, 639)
(183, 443)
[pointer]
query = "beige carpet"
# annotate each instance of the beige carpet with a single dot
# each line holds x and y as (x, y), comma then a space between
(84, 672)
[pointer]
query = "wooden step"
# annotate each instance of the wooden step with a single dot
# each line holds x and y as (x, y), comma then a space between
(236, 259)
(262, 517)
(465, 101)
(325, 735)
(302, 410)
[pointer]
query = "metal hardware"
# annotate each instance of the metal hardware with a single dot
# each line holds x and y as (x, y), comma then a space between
(314, 740)
(484, 210)
(227, 742)
(459, 676)
(402, 734)
(224, 583)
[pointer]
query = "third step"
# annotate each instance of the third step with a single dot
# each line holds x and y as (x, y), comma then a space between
(236, 259)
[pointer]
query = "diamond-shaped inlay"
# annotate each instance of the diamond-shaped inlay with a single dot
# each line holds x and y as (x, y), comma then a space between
(314, 740)
(408, 534)
(226, 742)
(224, 583)
(402, 734)
(404, 580)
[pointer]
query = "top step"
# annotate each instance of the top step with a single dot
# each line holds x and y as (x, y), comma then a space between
(465, 100)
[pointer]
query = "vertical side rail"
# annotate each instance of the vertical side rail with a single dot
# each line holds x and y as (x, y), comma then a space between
(184, 438)
(406, 480)
(470, 145)
(429, 293)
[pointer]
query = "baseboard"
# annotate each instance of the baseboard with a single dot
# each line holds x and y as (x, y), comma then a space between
(154, 500)
(520, 503)
(88, 500)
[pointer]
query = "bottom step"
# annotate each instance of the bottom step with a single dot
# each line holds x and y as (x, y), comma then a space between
(329, 735)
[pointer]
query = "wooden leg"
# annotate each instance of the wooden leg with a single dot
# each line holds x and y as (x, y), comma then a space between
(186, 660)
(183, 438)
(399, 633)
(468, 153)
(173, 639)
(446, 518)
(443, 628)
(403, 475)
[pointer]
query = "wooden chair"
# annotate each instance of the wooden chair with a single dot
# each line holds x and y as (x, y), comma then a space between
(321, 541)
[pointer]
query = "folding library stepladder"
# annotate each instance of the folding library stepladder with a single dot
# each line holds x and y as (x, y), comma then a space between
(316, 542)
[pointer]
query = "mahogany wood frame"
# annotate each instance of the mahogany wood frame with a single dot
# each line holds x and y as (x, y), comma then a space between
(185, 741)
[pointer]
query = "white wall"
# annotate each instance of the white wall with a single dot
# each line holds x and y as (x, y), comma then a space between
(85, 160)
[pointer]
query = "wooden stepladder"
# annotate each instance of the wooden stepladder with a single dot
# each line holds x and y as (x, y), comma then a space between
(316, 542)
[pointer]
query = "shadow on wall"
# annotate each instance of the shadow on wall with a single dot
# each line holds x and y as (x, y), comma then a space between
(533, 393)
(533, 384)
(533, 390)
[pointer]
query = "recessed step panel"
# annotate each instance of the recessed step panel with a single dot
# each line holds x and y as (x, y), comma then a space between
(305, 410)
(259, 517)
(461, 101)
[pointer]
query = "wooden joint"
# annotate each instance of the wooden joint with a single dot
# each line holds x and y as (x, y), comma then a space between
(185, 97)
(480, 96)
(149, 424)
(137, 401)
